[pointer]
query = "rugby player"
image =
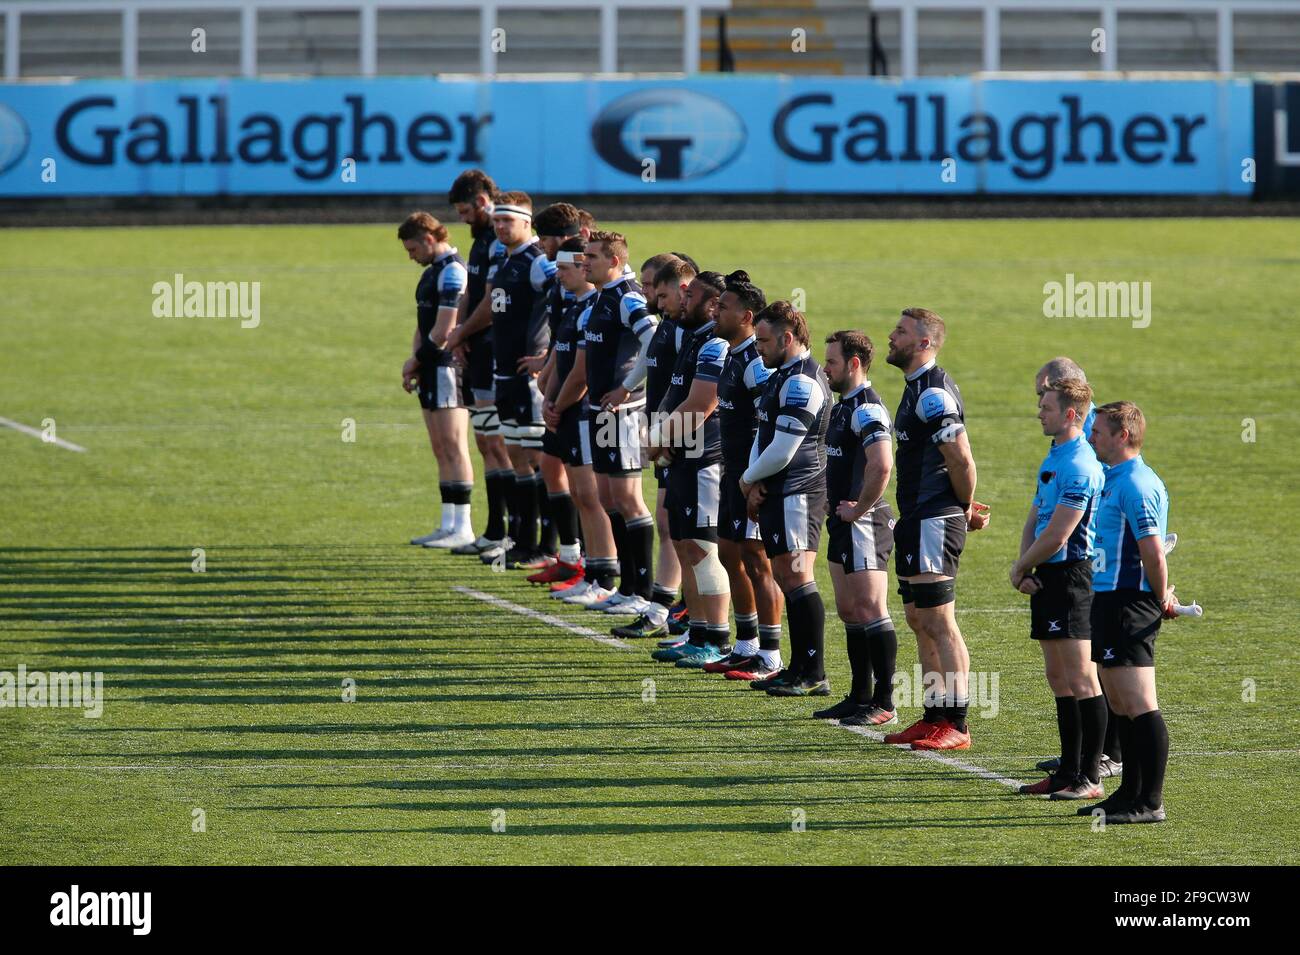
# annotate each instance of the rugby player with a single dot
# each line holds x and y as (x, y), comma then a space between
(554, 225)
(432, 373)
(936, 507)
(1055, 569)
(471, 195)
(785, 489)
(755, 597)
(516, 279)
(660, 358)
(565, 416)
(860, 458)
(618, 332)
(685, 433)
(1131, 595)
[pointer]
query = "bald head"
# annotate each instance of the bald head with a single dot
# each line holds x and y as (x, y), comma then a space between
(1056, 370)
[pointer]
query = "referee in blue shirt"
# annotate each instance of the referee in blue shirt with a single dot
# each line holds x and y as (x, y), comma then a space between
(1055, 569)
(1131, 595)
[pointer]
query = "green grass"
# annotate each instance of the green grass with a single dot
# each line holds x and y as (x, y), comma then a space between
(223, 688)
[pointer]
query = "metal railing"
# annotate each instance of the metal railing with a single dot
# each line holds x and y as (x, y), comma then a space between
(368, 10)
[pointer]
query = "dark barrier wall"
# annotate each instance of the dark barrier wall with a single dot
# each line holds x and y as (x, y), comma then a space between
(701, 135)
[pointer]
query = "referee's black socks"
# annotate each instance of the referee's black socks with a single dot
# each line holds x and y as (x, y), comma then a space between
(807, 615)
(1151, 742)
(1070, 729)
(1093, 720)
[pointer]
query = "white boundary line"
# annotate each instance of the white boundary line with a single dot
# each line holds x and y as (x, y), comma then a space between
(936, 757)
(544, 617)
(37, 434)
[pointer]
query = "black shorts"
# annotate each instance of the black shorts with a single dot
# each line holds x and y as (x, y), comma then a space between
(440, 387)
(863, 545)
(1061, 609)
(661, 476)
(573, 438)
(692, 502)
(478, 383)
(929, 545)
(519, 408)
(616, 438)
(792, 522)
(733, 515)
(1125, 624)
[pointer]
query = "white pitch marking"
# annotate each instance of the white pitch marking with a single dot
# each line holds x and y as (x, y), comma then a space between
(544, 617)
(38, 434)
(938, 758)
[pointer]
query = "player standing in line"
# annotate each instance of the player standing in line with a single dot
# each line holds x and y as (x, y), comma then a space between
(1055, 569)
(660, 357)
(785, 489)
(431, 372)
(685, 434)
(471, 195)
(515, 282)
(1131, 595)
(618, 332)
(564, 413)
(755, 597)
(936, 507)
(554, 225)
(861, 530)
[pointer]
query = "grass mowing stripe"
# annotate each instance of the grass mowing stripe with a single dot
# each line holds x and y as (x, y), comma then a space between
(37, 434)
(543, 617)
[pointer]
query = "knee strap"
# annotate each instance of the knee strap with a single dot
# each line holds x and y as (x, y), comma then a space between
(710, 576)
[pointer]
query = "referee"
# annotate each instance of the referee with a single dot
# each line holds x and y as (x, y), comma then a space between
(1054, 568)
(1131, 595)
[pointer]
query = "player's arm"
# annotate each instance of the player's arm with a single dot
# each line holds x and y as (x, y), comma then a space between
(548, 369)
(684, 420)
(1142, 514)
(412, 363)
(800, 401)
(575, 385)
(1065, 518)
(875, 476)
(642, 324)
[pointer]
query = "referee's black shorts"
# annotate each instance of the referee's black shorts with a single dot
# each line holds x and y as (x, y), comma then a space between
(1061, 609)
(1125, 624)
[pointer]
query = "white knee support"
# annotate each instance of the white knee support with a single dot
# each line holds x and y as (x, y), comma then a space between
(484, 420)
(710, 576)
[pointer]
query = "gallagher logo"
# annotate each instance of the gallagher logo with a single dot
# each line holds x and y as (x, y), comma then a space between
(13, 138)
(687, 134)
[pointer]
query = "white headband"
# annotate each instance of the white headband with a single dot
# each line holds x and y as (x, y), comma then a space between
(572, 258)
(519, 211)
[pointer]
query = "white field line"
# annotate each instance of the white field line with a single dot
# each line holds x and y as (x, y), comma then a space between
(262, 765)
(543, 617)
(37, 434)
(964, 766)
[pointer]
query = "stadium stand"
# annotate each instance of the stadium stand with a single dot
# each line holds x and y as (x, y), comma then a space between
(422, 37)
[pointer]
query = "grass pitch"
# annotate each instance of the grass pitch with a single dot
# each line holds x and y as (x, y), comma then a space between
(224, 689)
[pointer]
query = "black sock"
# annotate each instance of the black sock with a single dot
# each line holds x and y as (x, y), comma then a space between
(1152, 738)
(933, 712)
(601, 571)
(747, 626)
(1070, 729)
(955, 712)
(807, 615)
(641, 547)
(498, 492)
(662, 596)
(1131, 782)
(547, 532)
(457, 492)
(698, 635)
(855, 640)
(619, 527)
(1092, 720)
(564, 517)
(769, 636)
(524, 533)
(882, 644)
(717, 633)
(1113, 746)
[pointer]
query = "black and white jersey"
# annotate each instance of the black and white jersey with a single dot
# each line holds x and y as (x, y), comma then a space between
(617, 318)
(857, 420)
(476, 266)
(929, 415)
(441, 286)
(700, 359)
(660, 359)
(568, 334)
(796, 401)
(739, 388)
(518, 282)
